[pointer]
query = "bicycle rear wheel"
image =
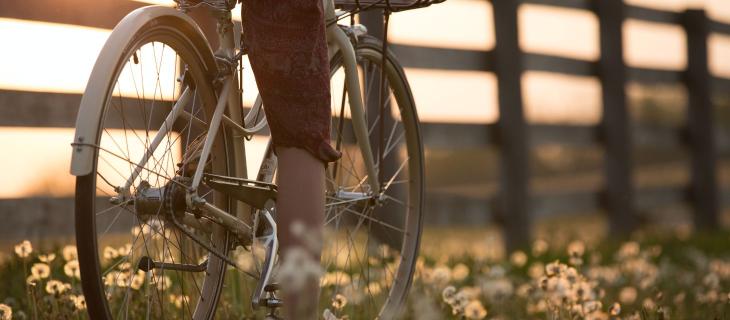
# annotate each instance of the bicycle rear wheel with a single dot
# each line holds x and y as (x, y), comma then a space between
(116, 236)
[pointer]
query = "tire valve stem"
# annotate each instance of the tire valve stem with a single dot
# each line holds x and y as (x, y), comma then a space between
(135, 58)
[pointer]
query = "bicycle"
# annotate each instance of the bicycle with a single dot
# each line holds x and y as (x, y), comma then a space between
(167, 223)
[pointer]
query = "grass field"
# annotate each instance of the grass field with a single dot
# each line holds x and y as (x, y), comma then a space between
(463, 274)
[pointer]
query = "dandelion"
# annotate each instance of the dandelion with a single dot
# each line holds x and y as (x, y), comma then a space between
(71, 269)
(536, 270)
(576, 249)
(40, 271)
(615, 309)
(179, 300)
(137, 280)
(47, 258)
(649, 304)
(56, 287)
(539, 247)
(460, 272)
(6, 313)
(627, 295)
(78, 301)
(628, 250)
(592, 306)
(125, 250)
(475, 310)
(339, 302)
(441, 275)
(162, 282)
(69, 253)
(554, 268)
(23, 249)
(449, 294)
(518, 259)
(110, 253)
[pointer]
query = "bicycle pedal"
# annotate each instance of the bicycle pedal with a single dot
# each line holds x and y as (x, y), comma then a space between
(252, 192)
(272, 303)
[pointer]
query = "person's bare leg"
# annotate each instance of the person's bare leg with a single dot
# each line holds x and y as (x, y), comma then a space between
(300, 179)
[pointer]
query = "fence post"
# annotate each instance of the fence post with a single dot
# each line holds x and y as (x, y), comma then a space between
(511, 128)
(615, 127)
(700, 129)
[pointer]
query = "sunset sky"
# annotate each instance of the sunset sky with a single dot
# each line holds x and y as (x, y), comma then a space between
(444, 96)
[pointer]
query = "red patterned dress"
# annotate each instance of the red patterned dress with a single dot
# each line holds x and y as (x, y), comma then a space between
(288, 52)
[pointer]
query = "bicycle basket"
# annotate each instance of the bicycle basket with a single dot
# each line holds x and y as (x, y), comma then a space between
(391, 5)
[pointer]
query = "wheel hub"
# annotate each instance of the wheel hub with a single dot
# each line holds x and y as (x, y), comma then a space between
(150, 202)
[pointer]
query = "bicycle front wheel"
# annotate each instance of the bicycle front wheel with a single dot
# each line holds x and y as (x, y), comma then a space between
(142, 160)
(372, 233)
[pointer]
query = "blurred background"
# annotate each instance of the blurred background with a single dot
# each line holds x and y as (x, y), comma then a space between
(524, 118)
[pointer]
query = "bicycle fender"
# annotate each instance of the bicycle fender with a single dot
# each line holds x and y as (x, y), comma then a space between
(92, 102)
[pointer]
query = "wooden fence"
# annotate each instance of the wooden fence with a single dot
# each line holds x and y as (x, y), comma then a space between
(615, 133)
(512, 135)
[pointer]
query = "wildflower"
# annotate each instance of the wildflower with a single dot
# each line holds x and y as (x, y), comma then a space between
(615, 309)
(518, 259)
(592, 306)
(576, 249)
(554, 268)
(6, 313)
(124, 266)
(475, 310)
(536, 270)
(110, 253)
(539, 247)
(627, 295)
(47, 258)
(374, 288)
(78, 301)
(460, 272)
(648, 304)
(40, 270)
(179, 300)
(337, 278)
(137, 280)
(56, 287)
(69, 253)
(31, 280)
(441, 275)
(163, 282)
(628, 250)
(71, 269)
(23, 249)
(449, 294)
(125, 250)
(339, 301)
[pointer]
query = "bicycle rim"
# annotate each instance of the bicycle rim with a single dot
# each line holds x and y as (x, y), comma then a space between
(113, 238)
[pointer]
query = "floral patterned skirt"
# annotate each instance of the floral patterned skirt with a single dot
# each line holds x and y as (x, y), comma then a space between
(288, 52)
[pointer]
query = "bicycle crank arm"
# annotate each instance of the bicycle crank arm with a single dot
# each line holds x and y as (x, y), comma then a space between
(146, 264)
